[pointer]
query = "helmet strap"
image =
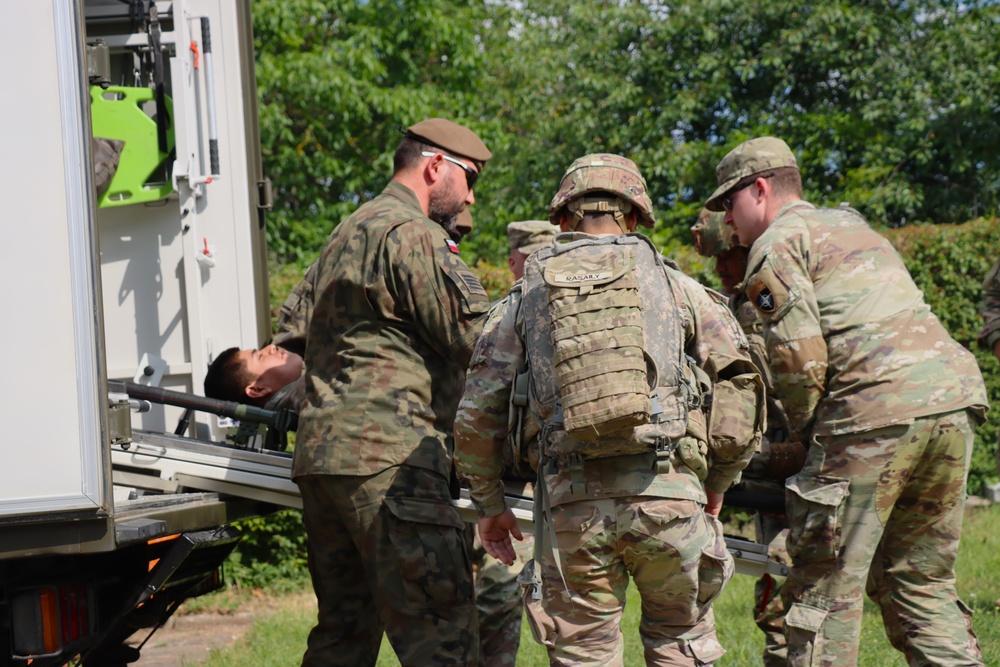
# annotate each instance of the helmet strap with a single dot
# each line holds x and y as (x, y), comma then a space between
(615, 207)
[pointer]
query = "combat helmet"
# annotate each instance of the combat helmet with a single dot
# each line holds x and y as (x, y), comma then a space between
(602, 172)
(711, 236)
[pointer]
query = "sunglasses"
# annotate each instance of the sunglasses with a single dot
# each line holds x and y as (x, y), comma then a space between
(470, 174)
(727, 199)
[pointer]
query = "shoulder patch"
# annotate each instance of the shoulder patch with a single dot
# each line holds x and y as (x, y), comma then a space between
(762, 297)
(452, 246)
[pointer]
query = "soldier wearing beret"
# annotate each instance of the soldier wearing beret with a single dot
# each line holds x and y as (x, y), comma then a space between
(888, 403)
(778, 458)
(635, 509)
(395, 317)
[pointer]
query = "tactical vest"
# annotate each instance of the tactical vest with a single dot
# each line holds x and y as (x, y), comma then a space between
(605, 348)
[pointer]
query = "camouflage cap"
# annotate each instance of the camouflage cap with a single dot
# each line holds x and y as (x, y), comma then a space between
(603, 172)
(452, 137)
(529, 235)
(711, 236)
(750, 157)
(463, 223)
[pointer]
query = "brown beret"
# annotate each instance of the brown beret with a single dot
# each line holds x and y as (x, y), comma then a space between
(451, 137)
(530, 235)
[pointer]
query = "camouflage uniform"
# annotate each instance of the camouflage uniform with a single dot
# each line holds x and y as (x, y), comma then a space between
(990, 310)
(498, 598)
(765, 473)
(293, 318)
(614, 517)
(869, 376)
(395, 319)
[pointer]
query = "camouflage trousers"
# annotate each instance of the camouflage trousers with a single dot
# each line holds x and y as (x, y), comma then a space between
(387, 554)
(498, 600)
(882, 507)
(675, 554)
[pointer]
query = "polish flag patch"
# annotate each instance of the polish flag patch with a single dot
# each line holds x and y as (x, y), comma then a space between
(452, 246)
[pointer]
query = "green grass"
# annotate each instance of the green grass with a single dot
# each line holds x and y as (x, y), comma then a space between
(278, 637)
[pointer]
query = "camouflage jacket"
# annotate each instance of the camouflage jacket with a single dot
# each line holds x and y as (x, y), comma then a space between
(293, 318)
(990, 309)
(395, 319)
(851, 343)
(753, 328)
(288, 397)
(711, 337)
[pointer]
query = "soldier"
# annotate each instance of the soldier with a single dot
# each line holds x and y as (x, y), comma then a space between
(525, 238)
(497, 589)
(777, 458)
(270, 377)
(395, 319)
(888, 402)
(640, 512)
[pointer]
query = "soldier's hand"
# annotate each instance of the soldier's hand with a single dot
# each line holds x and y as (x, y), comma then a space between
(714, 504)
(495, 533)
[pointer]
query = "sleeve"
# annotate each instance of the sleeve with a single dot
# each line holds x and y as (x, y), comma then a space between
(293, 318)
(713, 338)
(447, 301)
(481, 421)
(781, 289)
(989, 308)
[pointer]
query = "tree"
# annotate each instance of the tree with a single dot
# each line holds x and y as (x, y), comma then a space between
(336, 79)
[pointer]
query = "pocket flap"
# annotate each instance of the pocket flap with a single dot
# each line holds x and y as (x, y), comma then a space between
(805, 617)
(820, 490)
(425, 510)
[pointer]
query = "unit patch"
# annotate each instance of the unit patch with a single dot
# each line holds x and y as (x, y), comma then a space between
(761, 297)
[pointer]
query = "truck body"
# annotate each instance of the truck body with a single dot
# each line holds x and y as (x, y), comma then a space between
(143, 282)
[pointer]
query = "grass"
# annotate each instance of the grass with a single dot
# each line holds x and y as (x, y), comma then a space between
(278, 636)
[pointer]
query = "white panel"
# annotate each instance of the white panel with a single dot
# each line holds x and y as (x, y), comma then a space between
(53, 458)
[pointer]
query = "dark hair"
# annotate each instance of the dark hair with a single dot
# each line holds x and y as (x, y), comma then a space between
(408, 153)
(228, 378)
(787, 183)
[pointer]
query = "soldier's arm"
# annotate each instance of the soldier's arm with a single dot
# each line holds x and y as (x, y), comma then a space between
(293, 318)
(717, 344)
(481, 421)
(780, 287)
(989, 308)
(445, 297)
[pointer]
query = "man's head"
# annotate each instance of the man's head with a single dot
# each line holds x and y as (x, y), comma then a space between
(526, 237)
(601, 190)
(755, 179)
(713, 238)
(440, 161)
(251, 376)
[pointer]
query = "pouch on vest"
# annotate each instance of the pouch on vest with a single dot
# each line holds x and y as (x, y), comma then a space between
(598, 341)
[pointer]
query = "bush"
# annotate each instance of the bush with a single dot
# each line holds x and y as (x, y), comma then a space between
(949, 263)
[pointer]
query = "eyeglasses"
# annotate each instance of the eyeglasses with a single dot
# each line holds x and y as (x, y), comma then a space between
(470, 174)
(727, 199)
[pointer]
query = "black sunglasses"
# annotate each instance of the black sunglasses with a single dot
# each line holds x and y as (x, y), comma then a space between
(470, 174)
(727, 199)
